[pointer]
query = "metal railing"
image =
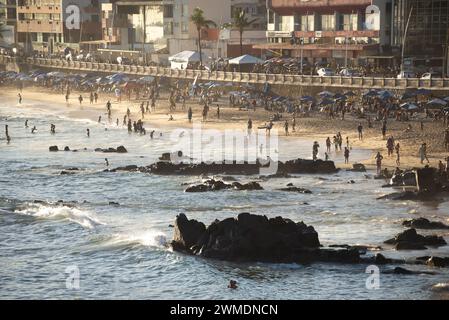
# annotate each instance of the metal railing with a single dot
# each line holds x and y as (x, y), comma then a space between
(240, 77)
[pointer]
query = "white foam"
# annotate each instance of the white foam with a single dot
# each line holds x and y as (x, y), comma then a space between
(81, 217)
(149, 238)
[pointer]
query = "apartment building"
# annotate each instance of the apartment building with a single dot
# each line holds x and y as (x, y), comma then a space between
(41, 24)
(8, 16)
(339, 30)
(164, 26)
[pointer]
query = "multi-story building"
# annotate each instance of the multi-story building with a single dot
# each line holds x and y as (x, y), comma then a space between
(42, 23)
(428, 27)
(340, 30)
(8, 16)
(164, 26)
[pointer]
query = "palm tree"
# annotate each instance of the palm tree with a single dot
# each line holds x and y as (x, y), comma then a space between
(201, 23)
(240, 22)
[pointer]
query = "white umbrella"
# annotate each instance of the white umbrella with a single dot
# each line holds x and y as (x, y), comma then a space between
(185, 56)
(245, 59)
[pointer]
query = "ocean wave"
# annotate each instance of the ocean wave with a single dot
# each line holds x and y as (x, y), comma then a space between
(63, 212)
(149, 238)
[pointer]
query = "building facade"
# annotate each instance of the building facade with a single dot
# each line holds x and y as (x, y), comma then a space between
(43, 24)
(344, 31)
(8, 17)
(164, 26)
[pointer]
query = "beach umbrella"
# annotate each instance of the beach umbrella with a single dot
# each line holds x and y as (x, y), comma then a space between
(326, 102)
(349, 94)
(408, 95)
(446, 99)
(437, 103)
(423, 92)
(307, 99)
(409, 106)
(384, 94)
(371, 93)
(326, 94)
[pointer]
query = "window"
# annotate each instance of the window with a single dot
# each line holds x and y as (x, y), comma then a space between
(270, 16)
(184, 27)
(327, 22)
(184, 10)
(168, 28)
(168, 11)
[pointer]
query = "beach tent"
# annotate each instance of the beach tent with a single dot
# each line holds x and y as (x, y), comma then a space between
(182, 59)
(245, 59)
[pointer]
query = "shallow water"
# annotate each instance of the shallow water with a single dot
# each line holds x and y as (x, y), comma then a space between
(121, 251)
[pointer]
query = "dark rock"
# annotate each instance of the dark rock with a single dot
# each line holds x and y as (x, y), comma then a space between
(380, 259)
(358, 167)
(112, 203)
(121, 149)
(255, 238)
(66, 148)
(423, 223)
(216, 185)
(293, 166)
(296, 189)
(65, 172)
(410, 240)
(403, 271)
(53, 148)
(351, 181)
(437, 262)
(187, 232)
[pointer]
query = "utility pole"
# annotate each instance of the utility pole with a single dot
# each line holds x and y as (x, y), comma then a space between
(404, 38)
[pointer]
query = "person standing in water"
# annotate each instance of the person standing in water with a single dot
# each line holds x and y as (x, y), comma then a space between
(88, 132)
(99, 119)
(26, 123)
(250, 126)
(8, 138)
(315, 150)
(106, 162)
(20, 98)
(379, 159)
(328, 145)
(360, 131)
(34, 129)
(346, 155)
(423, 153)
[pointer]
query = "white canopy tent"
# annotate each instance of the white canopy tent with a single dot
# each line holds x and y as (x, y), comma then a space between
(245, 59)
(182, 59)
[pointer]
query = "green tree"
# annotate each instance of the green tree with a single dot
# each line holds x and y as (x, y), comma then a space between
(201, 23)
(240, 22)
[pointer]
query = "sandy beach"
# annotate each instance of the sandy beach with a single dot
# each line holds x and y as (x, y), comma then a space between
(316, 127)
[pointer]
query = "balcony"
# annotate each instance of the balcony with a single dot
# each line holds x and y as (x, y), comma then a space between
(286, 7)
(39, 26)
(39, 9)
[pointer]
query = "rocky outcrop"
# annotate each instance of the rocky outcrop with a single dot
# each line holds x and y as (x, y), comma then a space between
(358, 167)
(53, 148)
(216, 185)
(293, 166)
(406, 178)
(423, 223)
(292, 188)
(255, 238)
(410, 240)
(437, 262)
(120, 149)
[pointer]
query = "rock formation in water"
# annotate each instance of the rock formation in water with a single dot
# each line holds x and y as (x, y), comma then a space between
(216, 185)
(411, 240)
(255, 238)
(423, 223)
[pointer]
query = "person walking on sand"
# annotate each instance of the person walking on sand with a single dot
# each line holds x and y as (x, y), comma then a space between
(286, 127)
(91, 97)
(379, 159)
(250, 126)
(346, 155)
(20, 98)
(190, 114)
(95, 97)
(397, 148)
(360, 131)
(384, 129)
(446, 139)
(294, 124)
(99, 119)
(423, 153)
(218, 112)
(80, 99)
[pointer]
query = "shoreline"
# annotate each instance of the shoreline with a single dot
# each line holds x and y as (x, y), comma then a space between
(316, 127)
